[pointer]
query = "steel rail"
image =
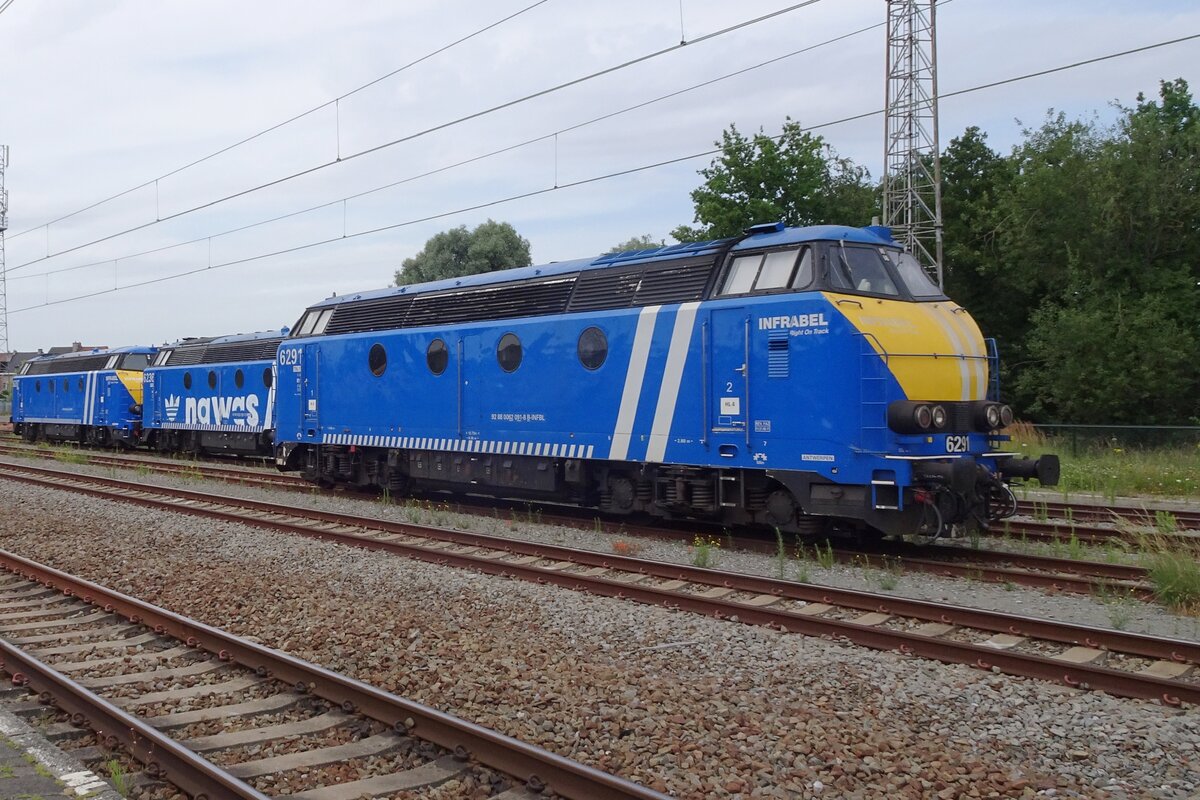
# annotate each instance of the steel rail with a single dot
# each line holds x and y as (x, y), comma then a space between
(301, 521)
(531, 764)
(163, 757)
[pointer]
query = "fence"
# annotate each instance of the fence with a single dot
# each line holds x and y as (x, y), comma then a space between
(1136, 437)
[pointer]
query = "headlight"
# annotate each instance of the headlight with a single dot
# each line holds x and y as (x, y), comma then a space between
(1006, 416)
(923, 417)
(939, 417)
(992, 415)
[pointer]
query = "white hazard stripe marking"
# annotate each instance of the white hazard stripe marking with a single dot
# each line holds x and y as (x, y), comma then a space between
(974, 346)
(448, 445)
(668, 392)
(956, 347)
(183, 426)
(634, 376)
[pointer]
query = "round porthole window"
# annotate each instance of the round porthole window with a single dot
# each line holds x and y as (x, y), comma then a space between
(239, 379)
(437, 356)
(212, 379)
(508, 352)
(187, 380)
(267, 379)
(593, 348)
(377, 360)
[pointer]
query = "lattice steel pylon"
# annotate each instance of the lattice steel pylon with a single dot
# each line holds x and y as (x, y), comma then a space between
(3, 267)
(912, 179)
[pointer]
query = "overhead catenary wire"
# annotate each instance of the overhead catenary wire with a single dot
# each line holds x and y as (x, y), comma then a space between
(4, 7)
(418, 134)
(466, 161)
(295, 118)
(585, 181)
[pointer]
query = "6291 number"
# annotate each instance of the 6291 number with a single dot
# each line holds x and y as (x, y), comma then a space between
(957, 444)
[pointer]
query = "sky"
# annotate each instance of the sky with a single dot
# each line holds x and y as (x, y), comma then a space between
(99, 98)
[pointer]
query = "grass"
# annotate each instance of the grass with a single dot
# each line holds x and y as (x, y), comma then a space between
(116, 774)
(1176, 580)
(781, 556)
(7, 771)
(1119, 605)
(1116, 470)
(705, 551)
(70, 457)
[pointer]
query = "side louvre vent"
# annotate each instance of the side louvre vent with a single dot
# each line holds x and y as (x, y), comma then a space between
(599, 289)
(370, 315)
(590, 290)
(61, 365)
(490, 302)
(252, 350)
(778, 360)
(676, 283)
(186, 355)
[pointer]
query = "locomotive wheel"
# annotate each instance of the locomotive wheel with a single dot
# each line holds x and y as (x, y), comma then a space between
(780, 508)
(623, 494)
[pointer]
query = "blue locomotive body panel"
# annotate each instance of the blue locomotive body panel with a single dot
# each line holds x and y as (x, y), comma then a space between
(811, 371)
(213, 394)
(76, 393)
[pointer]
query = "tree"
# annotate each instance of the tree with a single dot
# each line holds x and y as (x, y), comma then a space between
(795, 178)
(646, 242)
(457, 252)
(1080, 252)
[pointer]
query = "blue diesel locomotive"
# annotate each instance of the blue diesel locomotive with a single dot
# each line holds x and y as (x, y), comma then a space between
(787, 378)
(91, 397)
(213, 395)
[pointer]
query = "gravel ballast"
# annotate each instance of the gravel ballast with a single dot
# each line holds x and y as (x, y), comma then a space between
(689, 705)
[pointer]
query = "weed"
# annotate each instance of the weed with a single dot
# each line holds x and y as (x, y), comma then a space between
(625, 548)
(7, 771)
(824, 555)
(781, 556)
(886, 578)
(802, 573)
(70, 457)
(1176, 579)
(1075, 548)
(1009, 586)
(1041, 510)
(1165, 522)
(975, 536)
(386, 497)
(705, 551)
(1119, 605)
(117, 775)
(597, 525)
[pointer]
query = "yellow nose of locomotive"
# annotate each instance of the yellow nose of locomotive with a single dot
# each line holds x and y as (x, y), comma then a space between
(934, 349)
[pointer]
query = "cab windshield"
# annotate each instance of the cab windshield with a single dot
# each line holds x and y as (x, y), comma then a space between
(879, 271)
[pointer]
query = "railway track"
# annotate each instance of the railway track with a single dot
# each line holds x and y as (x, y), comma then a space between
(1056, 574)
(191, 469)
(1117, 662)
(98, 655)
(1185, 519)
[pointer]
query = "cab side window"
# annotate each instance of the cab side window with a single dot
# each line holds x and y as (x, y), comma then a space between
(772, 271)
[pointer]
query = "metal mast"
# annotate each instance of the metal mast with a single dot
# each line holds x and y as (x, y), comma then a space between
(3, 228)
(912, 177)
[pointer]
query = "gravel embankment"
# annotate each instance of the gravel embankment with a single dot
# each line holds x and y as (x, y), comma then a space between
(692, 706)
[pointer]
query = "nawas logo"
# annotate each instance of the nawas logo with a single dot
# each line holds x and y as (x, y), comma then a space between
(794, 321)
(221, 411)
(172, 405)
